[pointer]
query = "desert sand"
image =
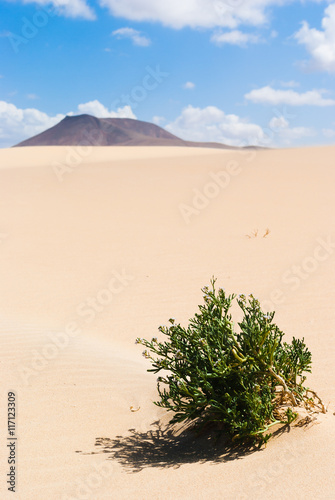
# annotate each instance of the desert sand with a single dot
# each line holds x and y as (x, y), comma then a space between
(102, 245)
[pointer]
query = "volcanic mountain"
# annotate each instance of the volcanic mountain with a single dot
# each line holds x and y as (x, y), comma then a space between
(89, 130)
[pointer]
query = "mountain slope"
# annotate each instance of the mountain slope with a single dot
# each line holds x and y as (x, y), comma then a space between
(89, 130)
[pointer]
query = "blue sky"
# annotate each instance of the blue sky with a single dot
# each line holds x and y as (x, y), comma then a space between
(234, 71)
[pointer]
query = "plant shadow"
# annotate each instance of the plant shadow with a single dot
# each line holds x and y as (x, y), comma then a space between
(163, 446)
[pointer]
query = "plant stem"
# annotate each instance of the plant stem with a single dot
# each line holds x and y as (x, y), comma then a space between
(283, 383)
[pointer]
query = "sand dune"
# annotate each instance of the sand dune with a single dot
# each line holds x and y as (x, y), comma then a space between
(102, 245)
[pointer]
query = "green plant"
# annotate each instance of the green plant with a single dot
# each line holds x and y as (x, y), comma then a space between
(244, 381)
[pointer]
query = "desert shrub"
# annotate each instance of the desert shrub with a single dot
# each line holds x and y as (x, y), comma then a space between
(245, 381)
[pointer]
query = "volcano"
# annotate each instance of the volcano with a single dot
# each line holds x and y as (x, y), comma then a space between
(89, 130)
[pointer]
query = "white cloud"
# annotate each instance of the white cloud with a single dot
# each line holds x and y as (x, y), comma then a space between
(158, 120)
(291, 84)
(195, 13)
(320, 43)
(97, 109)
(189, 86)
(135, 36)
(278, 122)
(234, 37)
(281, 132)
(268, 95)
(67, 8)
(329, 133)
(18, 124)
(211, 124)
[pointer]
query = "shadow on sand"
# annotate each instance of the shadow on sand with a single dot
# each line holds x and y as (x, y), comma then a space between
(164, 447)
